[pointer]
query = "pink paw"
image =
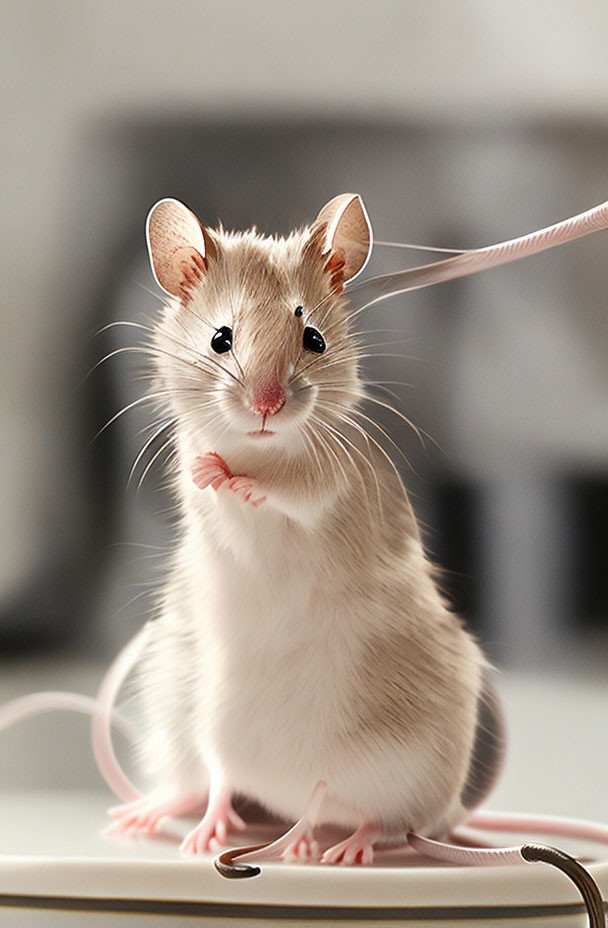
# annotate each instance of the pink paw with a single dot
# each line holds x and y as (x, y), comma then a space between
(145, 815)
(211, 832)
(210, 470)
(303, 850)
(356, 849)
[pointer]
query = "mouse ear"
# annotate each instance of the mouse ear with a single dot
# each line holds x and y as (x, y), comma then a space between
(348, 232)
(178, 247)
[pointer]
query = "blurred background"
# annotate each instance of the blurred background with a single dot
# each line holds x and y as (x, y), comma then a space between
(460, 125)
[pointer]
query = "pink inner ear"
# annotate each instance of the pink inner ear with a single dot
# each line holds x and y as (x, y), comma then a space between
(190, 266)
(335, 267)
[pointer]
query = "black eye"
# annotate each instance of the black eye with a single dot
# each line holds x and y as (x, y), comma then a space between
(313, 340)
(298, 311)
(222, 340)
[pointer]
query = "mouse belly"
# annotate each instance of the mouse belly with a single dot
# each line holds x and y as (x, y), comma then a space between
(391, 785)
(300, 716)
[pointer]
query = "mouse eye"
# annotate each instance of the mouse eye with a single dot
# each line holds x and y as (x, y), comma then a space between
(298, 311)
(222, 340)
(313, 340)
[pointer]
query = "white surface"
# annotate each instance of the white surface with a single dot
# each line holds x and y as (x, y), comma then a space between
(51, 846)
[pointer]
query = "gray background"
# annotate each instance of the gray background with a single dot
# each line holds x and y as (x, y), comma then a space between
(459, 124)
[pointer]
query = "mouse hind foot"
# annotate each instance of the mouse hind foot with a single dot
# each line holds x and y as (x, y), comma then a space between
(211, 832)
(144, 815)
(303, 849)
(358, 848)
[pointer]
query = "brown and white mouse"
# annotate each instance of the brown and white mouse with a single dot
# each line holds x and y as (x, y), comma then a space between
(302, 637)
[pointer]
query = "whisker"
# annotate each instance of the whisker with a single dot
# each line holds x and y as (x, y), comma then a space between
(151, 462)
(148, 398)
(123, 322)
(147, 444)
(358, 412)
(416, 430)
(304, 432)
(161, 549)
(367, 462)
(388, 458)
(238, 365)
(138, 349)
(419, 431)
(224, 370)
(157, 296)
(339, 437)
(328, 447)
(136, 598)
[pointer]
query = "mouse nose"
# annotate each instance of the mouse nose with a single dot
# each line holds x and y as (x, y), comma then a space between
(268, 399)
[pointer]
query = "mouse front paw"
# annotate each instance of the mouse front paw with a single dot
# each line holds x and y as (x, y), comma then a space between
(210, 470)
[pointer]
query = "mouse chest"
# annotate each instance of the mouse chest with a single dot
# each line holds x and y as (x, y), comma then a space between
(260, 551)
(283, 690)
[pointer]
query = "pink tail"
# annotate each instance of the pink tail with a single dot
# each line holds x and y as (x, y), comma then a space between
(101, 709)
(480, 259)
(101, 729)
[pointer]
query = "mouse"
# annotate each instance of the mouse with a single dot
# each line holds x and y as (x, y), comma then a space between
(302, 636)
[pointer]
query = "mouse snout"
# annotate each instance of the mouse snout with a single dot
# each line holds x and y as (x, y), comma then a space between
(268, 398)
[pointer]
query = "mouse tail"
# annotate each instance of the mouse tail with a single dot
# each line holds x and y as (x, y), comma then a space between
(101, 709)
(375, 289)
(529, 852)
(101, 722)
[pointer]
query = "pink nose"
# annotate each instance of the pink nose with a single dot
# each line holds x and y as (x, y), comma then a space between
(268, 399)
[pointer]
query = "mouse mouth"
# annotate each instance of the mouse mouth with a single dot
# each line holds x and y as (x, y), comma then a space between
(261, 433)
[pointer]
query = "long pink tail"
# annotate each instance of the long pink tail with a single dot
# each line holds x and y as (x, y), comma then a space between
(101, 723)
(101, 709)
(509, 822)
(376, 289)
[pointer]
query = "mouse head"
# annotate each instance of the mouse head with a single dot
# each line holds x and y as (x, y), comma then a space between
(254, 345)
